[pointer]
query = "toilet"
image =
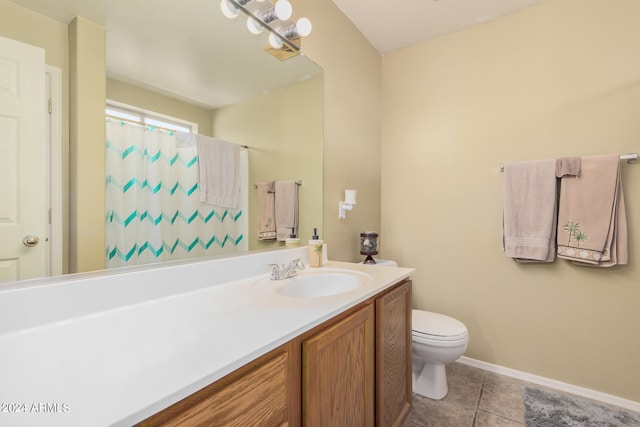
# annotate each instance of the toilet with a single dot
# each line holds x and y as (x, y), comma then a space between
(436, 340)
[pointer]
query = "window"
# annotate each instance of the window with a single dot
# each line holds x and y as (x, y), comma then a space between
(144, 117)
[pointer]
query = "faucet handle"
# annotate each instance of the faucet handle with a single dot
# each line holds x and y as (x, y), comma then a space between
(275, 271)
(298, 264)
(275, 268)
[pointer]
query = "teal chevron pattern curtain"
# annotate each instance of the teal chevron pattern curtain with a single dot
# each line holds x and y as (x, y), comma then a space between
(153, 211)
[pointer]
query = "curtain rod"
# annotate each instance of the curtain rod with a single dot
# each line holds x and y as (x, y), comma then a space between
(630, 158)
(298, 183)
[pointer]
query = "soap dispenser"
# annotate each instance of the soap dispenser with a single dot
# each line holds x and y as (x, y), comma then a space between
(292, 241)
(315, 250)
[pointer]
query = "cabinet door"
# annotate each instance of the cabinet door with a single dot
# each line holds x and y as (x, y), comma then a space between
(256, 395)
(393, 350)
(338, 373)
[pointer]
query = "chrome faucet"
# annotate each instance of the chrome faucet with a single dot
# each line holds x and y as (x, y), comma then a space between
(279, 271)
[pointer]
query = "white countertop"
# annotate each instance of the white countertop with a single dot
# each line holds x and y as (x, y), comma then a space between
(114, 349)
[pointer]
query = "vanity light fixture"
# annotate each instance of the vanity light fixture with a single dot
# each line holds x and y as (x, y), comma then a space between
(282, 11)
(347, 205)
(284, 35)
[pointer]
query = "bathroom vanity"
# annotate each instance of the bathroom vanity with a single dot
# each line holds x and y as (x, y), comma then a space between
(352, 370)
(209, 341)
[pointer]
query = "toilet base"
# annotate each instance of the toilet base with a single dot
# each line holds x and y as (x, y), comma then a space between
(431, 381)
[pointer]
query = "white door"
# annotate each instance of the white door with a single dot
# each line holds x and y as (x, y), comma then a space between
(22, 161)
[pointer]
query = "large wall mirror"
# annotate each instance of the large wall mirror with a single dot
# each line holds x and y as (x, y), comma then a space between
(186, 60)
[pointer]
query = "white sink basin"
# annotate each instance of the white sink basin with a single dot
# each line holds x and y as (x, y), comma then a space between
(311, 283)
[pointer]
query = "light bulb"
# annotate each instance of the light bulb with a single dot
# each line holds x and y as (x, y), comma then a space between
(283, 10)
(275, 41)
(303, 27)
(253, 25)
(229, 9)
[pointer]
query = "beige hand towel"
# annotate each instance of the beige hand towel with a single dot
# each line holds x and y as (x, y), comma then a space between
(266, 211)
(219, 172)
(286, 207)
(593, 225)
(529, 210)
(568, 166)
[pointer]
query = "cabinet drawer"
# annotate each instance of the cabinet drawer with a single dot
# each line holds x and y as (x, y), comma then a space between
(257, 397)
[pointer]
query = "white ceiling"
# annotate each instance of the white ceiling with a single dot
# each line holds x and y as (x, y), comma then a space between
(390, 25)
(184, 49)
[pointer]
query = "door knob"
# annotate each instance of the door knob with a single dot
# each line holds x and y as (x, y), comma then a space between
(31, 240)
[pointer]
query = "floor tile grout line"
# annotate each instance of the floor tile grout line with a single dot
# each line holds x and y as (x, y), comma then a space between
(484, 377)
(475, 414)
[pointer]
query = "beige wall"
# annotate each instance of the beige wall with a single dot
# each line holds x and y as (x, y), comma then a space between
(562, 78)
(87, 94)
(283, 129)
(352, 103)
(153, 101)
(19, 23)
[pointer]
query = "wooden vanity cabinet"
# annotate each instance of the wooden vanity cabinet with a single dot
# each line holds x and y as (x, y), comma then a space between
(393, 356)
(338, 373)
(340, 385)
(353, 370)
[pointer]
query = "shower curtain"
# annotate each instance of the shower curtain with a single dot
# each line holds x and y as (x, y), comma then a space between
(153, 208)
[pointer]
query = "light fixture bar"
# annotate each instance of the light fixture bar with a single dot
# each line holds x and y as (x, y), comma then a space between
(240, 4)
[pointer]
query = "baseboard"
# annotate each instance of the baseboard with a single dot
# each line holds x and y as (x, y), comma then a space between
(558, 385)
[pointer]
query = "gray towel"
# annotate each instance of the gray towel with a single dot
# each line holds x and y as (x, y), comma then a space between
(529, 211)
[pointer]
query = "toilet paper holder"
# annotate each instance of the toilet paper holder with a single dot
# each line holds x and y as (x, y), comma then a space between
(347, 204)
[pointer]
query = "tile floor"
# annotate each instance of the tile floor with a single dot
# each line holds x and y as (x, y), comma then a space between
(476, 398)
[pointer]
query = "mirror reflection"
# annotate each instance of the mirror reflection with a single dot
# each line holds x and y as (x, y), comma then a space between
(183, 61)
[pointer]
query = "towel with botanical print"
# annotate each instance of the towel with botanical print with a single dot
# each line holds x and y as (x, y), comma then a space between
(592, 226)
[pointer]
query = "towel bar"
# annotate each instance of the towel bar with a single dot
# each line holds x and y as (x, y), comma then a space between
(630, 158)
(298, 183)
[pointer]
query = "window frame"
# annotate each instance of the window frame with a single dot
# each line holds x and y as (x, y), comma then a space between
(141, 116)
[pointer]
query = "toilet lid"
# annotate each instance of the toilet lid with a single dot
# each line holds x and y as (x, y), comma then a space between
(436, 326)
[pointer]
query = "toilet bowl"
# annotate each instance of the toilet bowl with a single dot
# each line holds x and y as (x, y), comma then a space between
(436, 340)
